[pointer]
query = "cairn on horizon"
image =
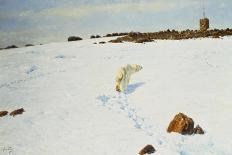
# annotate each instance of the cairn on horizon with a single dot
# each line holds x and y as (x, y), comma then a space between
(204, 22)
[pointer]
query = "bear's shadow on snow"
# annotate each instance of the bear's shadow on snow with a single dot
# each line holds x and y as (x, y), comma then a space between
(132, 87)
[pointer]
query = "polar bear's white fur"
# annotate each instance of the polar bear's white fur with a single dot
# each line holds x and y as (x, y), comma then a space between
(123, 76)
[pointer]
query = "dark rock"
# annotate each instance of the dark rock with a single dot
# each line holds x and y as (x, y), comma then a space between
(3, 113)
(92, 37)
(27, 45)
(198, 130)
(115, 41)
(74, 38)
(12, 46)
(97, 36)
(108, 35)
(17, 112)
(95, 43)
(102, 42)
(149, 149)
(181, 124)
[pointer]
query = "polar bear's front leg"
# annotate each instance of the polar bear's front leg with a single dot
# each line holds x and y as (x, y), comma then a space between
(119, 81)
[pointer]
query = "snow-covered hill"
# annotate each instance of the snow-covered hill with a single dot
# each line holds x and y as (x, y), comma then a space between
(67, 90)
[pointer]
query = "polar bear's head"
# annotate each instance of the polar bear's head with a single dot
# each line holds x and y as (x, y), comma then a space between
(137, 67)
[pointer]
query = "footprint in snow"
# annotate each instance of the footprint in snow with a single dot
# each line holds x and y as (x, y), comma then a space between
(61, 56)
(31, 69)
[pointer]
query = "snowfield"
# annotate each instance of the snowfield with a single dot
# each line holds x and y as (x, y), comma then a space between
(68, 93)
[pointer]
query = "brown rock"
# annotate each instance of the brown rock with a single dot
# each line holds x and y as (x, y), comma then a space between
(198, 130)
(3, 113)
(115, 41)
(149, 149)
(17, 112)
(142, 40)
(181, 124)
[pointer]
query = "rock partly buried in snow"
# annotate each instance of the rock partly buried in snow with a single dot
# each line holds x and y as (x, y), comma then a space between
(27, 45)
(3, 113)
(102, 42)
(184, 125)
(17, 112)
(181, 124)
(74, 38)
(12, 46)
(143, 40)
(149, 149)
(198, 130)
(92, 37)
(98, 36)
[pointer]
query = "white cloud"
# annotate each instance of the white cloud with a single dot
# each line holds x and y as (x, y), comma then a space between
(85, 10)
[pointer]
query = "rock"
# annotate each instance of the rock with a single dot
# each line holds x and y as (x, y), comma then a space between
(149, 149)
(108, 35)
(27, 45)
(95, 43)
(115, 41)
(92, 37)
(198, 130)
(142, 40)
(97, 36)
(102, 42)
(17, 112)
(12, 46)
(181, 124)
(74, 38)
(3, 113)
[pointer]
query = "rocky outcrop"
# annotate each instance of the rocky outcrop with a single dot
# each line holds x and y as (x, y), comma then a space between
(171, 35)
(17, 112)
(149, 149)
(74, 38)
(3, 113)
(184, 125)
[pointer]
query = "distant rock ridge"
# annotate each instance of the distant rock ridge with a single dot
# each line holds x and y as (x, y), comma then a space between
(139, 37)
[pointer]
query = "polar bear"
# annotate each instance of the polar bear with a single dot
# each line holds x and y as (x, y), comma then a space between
(123, 76)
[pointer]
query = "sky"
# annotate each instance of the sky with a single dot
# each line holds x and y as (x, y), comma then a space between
(45, 21)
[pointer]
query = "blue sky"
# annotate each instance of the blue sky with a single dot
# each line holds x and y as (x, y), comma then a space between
(43, 21)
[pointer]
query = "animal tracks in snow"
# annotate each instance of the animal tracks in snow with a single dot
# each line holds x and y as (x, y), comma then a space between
(11, 83)
(121, 105)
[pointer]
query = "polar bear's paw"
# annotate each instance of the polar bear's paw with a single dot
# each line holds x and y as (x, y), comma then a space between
(118, 88)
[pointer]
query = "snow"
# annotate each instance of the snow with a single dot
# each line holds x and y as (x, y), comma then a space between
(67, 90)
